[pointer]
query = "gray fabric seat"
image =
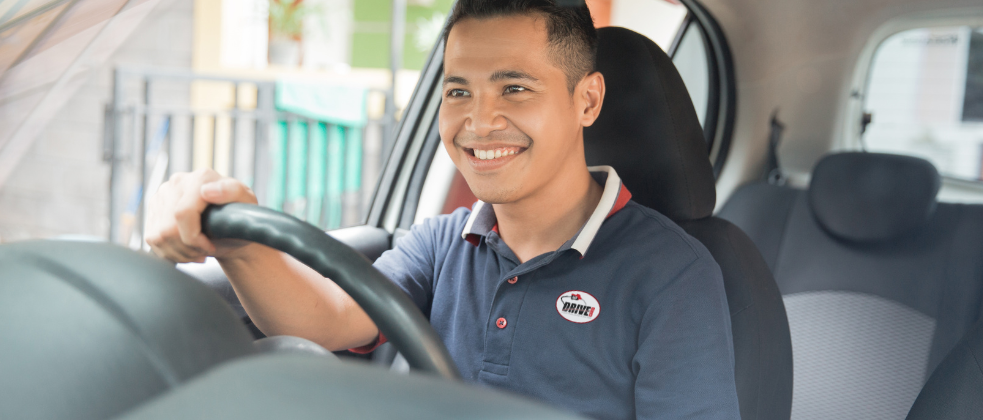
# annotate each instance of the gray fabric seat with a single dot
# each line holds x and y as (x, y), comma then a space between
(879, 280)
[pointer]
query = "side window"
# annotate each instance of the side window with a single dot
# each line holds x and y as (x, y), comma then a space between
(925, 98)
(690, 58)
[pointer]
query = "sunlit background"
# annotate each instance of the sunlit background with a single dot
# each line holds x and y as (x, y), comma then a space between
(101, 100)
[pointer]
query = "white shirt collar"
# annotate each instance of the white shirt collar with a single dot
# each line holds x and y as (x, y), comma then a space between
(613, 198)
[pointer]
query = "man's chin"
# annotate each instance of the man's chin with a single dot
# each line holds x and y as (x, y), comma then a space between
(497, 195)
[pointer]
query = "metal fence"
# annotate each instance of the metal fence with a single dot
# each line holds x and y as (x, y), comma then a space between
(311, 168)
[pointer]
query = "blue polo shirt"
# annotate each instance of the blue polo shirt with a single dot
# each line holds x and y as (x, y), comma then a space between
(627, 319)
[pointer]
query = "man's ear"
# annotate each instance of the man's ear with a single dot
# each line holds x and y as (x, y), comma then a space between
(590, 97)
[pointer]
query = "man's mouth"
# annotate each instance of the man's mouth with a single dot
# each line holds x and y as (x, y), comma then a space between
(490, 154)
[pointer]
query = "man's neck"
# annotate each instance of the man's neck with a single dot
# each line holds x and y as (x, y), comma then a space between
(546, 220)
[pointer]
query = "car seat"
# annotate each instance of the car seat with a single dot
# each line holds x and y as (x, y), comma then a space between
(879, 280)
(955, 389)
(649, 132)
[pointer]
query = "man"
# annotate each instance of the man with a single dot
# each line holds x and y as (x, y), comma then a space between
(555, 285)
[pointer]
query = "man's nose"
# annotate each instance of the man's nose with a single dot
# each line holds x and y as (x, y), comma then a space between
(486, 117)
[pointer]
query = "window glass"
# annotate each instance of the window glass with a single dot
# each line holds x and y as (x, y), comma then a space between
(659, 20)
(925, 97)
(293, 97)
(690, 59)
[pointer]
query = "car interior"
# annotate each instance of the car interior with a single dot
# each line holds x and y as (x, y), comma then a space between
(822, 152)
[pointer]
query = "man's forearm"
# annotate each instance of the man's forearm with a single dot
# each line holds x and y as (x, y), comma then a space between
(285, 297)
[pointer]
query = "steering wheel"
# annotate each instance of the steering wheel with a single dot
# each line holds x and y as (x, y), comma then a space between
(389, 307)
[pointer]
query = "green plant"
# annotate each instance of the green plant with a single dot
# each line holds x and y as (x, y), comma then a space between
(287, 17)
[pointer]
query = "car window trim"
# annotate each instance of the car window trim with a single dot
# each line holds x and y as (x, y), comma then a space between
(723, 98)
(382, 199)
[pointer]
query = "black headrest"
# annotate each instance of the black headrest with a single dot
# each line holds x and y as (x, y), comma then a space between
(870, 197)
(648, 129)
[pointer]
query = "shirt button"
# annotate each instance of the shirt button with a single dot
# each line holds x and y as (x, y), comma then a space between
(501, 323)
(513, 280)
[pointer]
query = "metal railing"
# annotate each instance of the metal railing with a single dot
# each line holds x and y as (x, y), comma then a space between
(307, 167)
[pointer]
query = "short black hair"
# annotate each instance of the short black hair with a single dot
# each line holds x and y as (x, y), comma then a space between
(570, 31)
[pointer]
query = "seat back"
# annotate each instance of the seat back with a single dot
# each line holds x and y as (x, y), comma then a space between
(879, 280)
(649, 132)
(92, 329)
(955, 389)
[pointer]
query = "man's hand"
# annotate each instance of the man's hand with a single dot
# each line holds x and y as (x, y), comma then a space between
(174, 215)
(281, 295)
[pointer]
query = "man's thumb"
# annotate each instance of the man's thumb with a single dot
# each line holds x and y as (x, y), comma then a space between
(221, 192)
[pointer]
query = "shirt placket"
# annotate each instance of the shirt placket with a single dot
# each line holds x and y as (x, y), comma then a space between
(503, 318)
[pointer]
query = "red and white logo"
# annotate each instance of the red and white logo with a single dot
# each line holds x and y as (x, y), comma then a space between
(579, 307)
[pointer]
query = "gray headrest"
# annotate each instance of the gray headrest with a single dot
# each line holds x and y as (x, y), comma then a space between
(871, 197)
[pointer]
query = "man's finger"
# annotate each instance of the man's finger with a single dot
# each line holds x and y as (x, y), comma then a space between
(187, 215)
(183, 254)
(225, 191)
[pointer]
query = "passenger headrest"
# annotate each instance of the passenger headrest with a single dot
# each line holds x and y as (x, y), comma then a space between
(648, 129)
(871, 197)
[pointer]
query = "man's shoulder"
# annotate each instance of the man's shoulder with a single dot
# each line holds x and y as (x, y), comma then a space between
(444, 227)
(453, 220)
(646, 231)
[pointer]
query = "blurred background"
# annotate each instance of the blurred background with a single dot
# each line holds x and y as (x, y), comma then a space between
(101, 100)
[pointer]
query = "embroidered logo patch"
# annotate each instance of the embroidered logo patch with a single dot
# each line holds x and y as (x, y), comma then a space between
(577, 306)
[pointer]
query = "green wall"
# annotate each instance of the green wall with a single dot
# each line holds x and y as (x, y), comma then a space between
(370, 43)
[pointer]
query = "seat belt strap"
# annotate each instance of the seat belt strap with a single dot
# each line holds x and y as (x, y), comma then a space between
(773, 173)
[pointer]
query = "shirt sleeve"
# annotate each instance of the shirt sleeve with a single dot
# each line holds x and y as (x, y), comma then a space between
(410, 265)
(685, 361)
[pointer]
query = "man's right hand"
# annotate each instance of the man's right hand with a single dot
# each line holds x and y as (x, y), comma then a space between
(281, 295)
(173, 228)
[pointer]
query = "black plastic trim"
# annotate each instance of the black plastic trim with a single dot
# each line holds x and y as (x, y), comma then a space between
(671, 52)
(408, 126)
(415, 187)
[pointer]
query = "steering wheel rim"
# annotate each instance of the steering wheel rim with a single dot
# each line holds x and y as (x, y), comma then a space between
(386, 304)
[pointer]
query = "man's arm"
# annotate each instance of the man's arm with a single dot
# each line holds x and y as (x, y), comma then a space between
(281, 295)
(685, 360)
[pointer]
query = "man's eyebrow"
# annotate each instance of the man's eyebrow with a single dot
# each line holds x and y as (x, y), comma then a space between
(455, 79)
(511, 74)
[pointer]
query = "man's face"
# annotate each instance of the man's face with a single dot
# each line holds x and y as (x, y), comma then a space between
(507, 118)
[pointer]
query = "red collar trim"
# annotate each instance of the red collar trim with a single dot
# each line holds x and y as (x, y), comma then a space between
(623, 196)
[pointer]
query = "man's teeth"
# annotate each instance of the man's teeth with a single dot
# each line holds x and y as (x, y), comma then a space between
(492, 154)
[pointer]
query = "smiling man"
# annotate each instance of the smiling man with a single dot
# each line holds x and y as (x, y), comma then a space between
(555, 284)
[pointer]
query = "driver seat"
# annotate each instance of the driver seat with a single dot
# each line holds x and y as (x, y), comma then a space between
(649, 132)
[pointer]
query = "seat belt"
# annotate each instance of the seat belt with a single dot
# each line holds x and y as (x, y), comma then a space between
(773, 173)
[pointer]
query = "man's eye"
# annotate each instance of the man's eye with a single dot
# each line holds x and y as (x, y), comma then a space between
(458, 93)
(514, 89)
